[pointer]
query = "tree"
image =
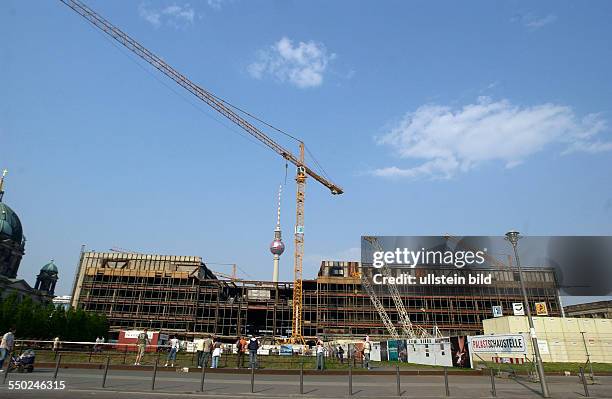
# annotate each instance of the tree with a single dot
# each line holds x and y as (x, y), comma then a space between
(45, 321)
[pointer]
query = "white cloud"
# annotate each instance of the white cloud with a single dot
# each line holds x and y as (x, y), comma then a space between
(216, 4)
(454, 140)
(302, 64)
(173, 15)
(533, 22)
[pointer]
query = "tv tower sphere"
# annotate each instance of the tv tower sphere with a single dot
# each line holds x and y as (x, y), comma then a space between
(277, 247)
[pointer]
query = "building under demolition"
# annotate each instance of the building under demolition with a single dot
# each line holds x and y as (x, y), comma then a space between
(179, 294)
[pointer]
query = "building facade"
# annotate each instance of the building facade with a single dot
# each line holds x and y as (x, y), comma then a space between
(180, 295)
(595, 310)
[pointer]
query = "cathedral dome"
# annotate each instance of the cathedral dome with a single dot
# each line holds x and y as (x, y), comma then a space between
(50, 267)
(10, 225)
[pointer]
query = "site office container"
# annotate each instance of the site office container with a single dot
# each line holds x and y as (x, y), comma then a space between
(130, 338)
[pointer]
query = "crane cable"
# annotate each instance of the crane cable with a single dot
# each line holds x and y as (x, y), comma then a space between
(180, 95)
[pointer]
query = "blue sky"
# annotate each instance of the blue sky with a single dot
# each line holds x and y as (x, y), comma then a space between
(435, 117)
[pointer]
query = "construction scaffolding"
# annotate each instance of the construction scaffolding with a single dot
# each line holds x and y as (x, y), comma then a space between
(181, 295)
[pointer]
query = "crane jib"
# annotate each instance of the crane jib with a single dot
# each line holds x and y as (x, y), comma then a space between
(207, 97)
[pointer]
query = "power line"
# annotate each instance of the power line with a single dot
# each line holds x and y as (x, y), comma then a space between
(180, 95)
(208, 115)
(317, 163)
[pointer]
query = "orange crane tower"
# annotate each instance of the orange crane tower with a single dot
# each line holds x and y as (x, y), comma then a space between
(216, 103)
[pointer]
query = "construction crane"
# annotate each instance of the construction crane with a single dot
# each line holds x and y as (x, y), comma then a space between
(225, 109)
(409, 330)
(378, 305)
(123, 250)
(493, 260)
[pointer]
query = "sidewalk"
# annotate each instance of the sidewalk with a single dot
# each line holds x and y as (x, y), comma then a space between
(136, 384)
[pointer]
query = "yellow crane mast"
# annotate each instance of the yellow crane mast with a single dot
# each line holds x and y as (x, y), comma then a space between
(216, 103)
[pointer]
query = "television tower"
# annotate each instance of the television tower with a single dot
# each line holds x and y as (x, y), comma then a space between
(277, 247)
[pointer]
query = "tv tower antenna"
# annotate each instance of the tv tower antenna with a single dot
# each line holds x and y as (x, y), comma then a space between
(277, 247)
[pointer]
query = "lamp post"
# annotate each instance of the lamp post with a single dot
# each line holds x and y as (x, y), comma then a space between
(513, 237)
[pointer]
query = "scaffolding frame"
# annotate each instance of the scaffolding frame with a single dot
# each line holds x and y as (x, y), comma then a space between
(179, 295)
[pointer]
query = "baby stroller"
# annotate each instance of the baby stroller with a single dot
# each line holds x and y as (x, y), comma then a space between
(24, 362)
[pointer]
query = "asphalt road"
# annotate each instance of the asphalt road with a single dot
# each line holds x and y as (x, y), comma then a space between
(137, 384)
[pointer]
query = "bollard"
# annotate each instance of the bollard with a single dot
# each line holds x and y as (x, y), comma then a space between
(399, 388)
(57, 365)
(105, 371)
(302, 377)
(493, 390)
(202, 379)
(154, 375)
(584, 383)
(350, 380)
(447, 390)
(252, 379)
(8, 367)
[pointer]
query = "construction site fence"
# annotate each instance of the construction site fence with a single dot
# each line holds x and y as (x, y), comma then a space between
(75, 352)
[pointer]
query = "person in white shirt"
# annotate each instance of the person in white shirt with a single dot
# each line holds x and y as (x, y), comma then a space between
(6, 346)
(216, 355)
(174, 348)
(56, 345)
(320, 356)
(367, 349)
(199, 343)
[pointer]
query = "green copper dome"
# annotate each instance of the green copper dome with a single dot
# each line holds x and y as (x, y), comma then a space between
(10, 225)
(49, 267)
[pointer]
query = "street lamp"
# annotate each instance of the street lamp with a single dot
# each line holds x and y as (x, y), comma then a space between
(513, 236)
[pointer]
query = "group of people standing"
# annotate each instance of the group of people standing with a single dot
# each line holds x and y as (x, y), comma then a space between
(339, 353)
(207, 348)
(242, 347)
(211, 347)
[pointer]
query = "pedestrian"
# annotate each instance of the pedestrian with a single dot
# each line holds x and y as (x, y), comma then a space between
(216, 354)
(97, 345)
(6, 346)
(340, 354)
(207, 350)
(367, 349)
(174, 348)
(142, 342)
(56, 345)
(240, 349)
(200, 351)
(101, 345)
(320, 350)
(253, 346)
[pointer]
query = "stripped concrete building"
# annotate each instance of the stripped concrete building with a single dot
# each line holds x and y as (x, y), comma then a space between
(179, 294)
